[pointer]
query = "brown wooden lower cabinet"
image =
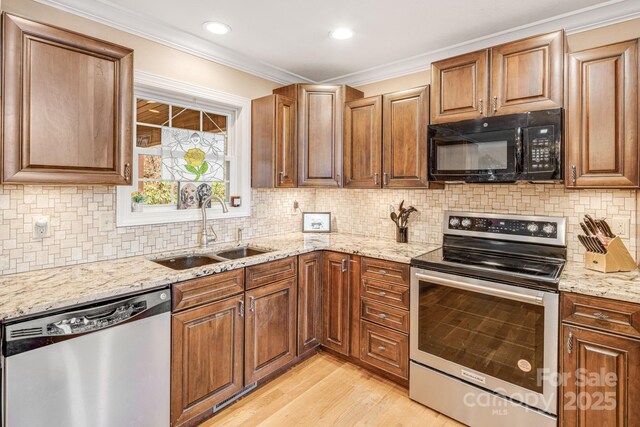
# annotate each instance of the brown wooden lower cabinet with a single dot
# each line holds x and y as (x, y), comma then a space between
(206, 357)
(602, 374)
(385, 348)
(309, 301)
(335, 302)
(270, 328)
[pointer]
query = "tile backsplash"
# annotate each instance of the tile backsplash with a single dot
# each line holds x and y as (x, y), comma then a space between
(367, 211)
(76, 237)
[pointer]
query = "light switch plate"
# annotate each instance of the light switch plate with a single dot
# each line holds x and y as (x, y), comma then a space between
(105, 222)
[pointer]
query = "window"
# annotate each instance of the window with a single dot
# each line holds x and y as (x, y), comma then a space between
(185, 147)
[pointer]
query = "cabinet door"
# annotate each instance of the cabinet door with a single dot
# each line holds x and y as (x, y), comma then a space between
(320, 135)
(602, 117)
(270, 328)
(285, 134)
(206, 357)
(309, 301)
(363, 143)
(460, 87)
(67, 106)
(335, 302)
(607, 390)
(405, 116)
(527, 75)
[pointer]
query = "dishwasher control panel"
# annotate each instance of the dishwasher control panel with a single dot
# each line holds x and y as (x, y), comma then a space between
(88, 323)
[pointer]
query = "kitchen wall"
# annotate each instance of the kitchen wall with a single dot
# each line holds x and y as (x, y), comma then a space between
(76, 236)
(366, 212)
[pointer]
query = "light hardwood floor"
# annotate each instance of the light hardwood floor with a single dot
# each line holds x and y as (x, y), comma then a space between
(326, 391)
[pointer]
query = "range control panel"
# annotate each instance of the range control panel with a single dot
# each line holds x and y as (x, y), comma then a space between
(536, 229)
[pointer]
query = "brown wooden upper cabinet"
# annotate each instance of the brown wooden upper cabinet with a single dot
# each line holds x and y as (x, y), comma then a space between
(524, 75)
(320, 110)
(362, 154)
(602, 117)
(67, 102)
(273, 142)
(460, 86)
(404, 141)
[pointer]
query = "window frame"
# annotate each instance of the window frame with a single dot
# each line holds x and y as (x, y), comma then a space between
(238, 109)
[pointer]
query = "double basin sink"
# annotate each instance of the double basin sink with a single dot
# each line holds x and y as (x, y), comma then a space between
(185, 262)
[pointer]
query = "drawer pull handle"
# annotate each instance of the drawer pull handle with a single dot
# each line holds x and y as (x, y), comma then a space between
(382, 272)
(570, 342)
(241, 311)
(381, 348)
(600, 316)
(252, 304)
(382, 294)
(382, 316)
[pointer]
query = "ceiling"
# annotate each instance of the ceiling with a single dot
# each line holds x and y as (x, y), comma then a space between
(288, 40)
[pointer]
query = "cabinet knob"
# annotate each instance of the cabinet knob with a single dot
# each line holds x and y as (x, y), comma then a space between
(382, 316)
(382, 294)
(383, 272)
(480, 109)
(381, 348)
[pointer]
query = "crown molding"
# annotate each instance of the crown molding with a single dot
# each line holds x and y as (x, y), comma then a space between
(600, 15)
(112, 15)
(108, 13)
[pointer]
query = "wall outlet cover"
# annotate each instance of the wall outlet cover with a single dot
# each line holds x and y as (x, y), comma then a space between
(619, 226)
(105, 222)
(41, 227)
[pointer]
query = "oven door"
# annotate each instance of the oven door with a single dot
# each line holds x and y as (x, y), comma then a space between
(499, 337)
(475, 157)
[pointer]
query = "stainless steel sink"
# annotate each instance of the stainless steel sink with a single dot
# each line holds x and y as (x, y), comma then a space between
(242, 252)
(188, 261)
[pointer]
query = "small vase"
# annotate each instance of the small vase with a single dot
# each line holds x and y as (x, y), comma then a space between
(136, 207)
(402, 234)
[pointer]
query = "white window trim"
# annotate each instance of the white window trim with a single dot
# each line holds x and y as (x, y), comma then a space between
(168, 90)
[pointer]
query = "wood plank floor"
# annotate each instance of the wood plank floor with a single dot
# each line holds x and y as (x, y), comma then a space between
(326, 391)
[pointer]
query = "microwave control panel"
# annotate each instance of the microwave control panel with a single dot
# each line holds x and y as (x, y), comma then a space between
(541, 149)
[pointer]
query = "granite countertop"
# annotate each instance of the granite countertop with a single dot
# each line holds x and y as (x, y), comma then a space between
(43, 290)
(619, 286)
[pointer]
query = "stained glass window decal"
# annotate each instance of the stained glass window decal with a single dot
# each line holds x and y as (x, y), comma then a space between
(189, 155)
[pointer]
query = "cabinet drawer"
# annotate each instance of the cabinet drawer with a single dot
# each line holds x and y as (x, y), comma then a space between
(385, 315)
(388, 293)
(603, 314)
(385, 349)
(386, 270)
(270, 272)
(203, 290)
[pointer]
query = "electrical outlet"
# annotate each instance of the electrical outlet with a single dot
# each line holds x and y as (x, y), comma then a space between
(295, 208)
(105, 222)
(41, 227)
(619, 226)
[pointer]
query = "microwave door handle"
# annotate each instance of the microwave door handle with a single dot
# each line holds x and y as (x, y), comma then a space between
(519, 154)
(500, 293)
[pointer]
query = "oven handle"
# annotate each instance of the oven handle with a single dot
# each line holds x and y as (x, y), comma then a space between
(538, 299)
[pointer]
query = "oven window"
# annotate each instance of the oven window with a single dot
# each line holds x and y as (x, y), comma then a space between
(496, 336)
(472, 156)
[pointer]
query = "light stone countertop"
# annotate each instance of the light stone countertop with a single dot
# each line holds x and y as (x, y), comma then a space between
(39, 291)
(619, 286)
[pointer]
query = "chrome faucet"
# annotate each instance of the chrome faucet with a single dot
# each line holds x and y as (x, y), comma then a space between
(204, 237)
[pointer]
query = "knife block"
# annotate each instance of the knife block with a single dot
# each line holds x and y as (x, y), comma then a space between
(617, 258)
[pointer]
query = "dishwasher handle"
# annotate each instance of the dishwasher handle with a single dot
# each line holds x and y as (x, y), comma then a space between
(25, 335)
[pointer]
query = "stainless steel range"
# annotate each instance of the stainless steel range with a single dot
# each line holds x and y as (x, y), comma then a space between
(484, 320)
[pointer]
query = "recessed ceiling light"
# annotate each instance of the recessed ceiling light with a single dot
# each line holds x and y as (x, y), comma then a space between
(342, 34)
(216, 27)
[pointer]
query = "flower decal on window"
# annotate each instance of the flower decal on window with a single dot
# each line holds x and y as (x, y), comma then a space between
(195, 162)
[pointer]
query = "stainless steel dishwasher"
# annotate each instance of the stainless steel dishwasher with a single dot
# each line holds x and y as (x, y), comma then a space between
(103, 365)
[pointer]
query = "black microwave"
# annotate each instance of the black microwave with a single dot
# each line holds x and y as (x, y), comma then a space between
(514, 147)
